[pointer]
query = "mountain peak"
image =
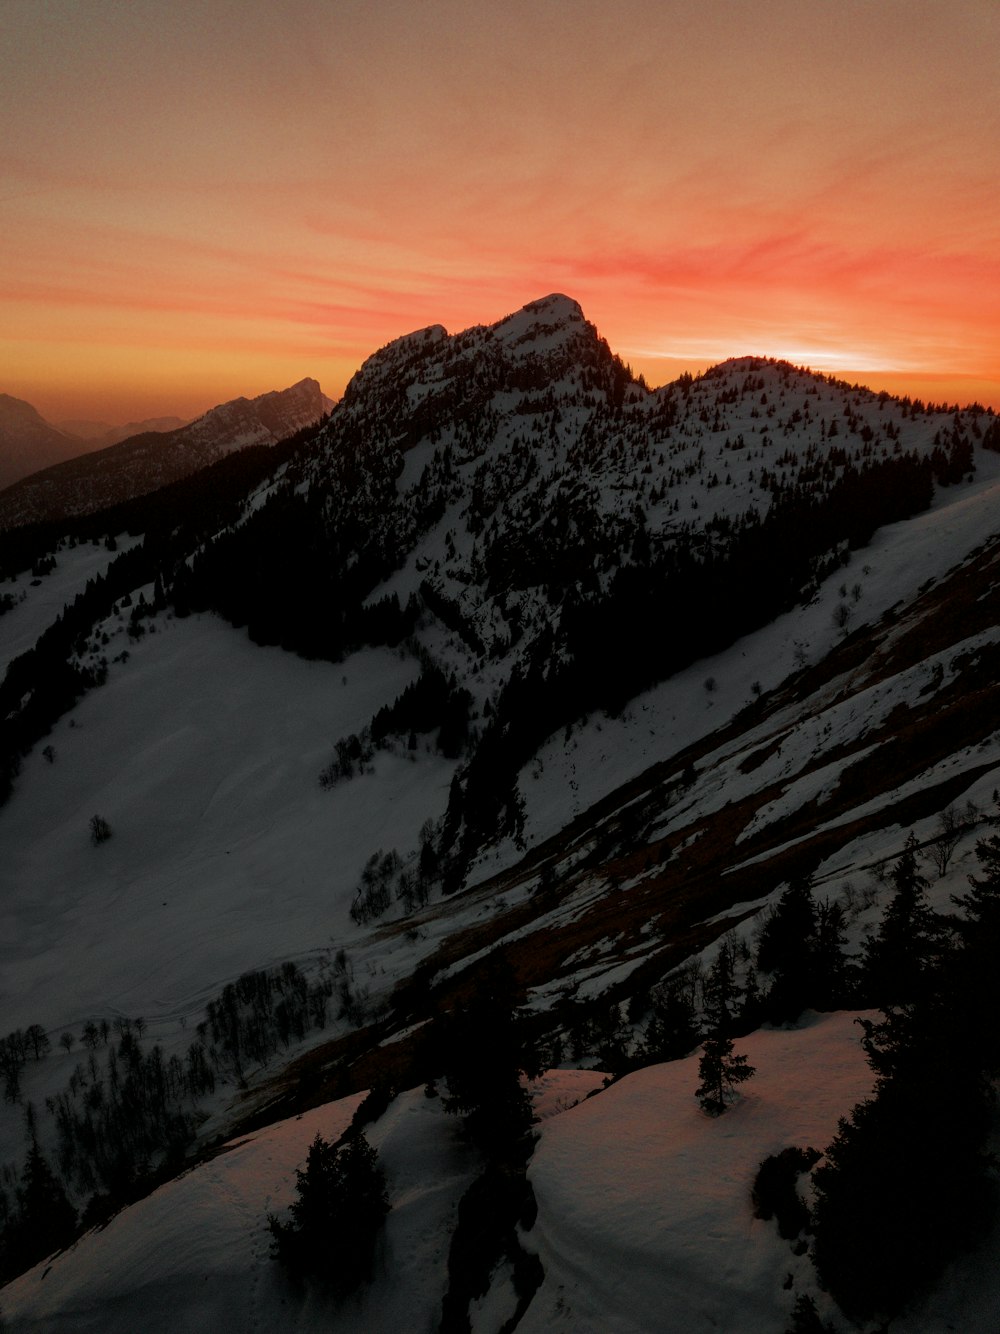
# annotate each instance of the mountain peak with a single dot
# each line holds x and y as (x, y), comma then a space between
(556, 306)
(551, 315)
(28, 441)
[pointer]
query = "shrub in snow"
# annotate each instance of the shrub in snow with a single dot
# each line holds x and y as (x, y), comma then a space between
(100, 830)
(336, 1219)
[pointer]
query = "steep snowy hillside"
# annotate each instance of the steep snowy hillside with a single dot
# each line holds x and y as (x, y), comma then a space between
(514, 660)
(141, 463)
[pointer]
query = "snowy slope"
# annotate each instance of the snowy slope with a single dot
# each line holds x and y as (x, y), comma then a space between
(606, 753)
(645, 1219)
(202, 752)
(644, 1215)
(195, 1255)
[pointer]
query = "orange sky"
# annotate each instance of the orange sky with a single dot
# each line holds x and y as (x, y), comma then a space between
(214, 197)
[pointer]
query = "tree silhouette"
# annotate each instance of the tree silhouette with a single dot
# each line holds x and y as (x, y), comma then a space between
(341, 1205)
(898, 959)
(44, 1220)
(721, 1071)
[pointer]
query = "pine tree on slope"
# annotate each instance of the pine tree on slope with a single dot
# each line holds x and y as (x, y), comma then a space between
(721, 1072)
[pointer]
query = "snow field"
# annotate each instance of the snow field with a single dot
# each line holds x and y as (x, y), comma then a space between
(644, 1217)
(203, 753)
(645, 1221)
(194, 1256)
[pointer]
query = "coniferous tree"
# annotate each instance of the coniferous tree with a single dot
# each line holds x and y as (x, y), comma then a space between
(721, 1071)
(831, 983)
(483, 1050)
(341, 1205)
(720, 994)
(787, 950)
(975, 980)
(44, 1220)
(899, 958)
(672, 1030)
(981, 906)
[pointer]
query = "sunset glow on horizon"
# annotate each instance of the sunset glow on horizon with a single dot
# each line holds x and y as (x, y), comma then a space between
(206, 200)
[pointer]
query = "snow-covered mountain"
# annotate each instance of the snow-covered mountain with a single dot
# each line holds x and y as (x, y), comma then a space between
(142, 463)
(514, 660)
(28, 441)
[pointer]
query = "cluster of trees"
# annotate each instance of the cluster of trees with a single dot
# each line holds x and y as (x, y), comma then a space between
(433, 703)
(386, 879)
(277, 573)
(351, 755)
(801, 949)
(375, 892)
(484, 1050)
(260, 1012)
(117, 1122)
(14, 1051)
(129, 1118)
(449, 613)
(907, 1182)
(951, 458)
(46, 682)
(297, 570)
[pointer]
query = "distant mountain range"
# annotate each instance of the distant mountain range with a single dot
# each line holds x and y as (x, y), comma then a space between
(79, 483)
(100, 434)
